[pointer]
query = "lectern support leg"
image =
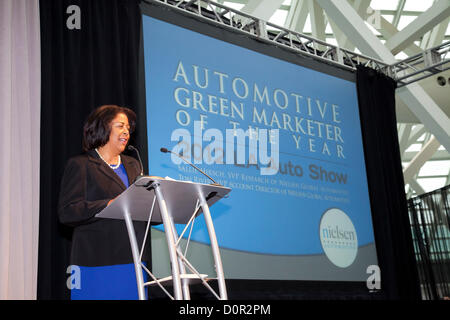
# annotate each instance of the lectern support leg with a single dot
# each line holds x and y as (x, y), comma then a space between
(136, 255)
(215, 248)
(184, 282)
(170, 237)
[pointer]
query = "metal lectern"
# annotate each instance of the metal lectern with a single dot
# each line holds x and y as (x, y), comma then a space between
(158, 200)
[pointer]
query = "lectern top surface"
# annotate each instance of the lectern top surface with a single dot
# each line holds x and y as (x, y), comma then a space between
(180, 198)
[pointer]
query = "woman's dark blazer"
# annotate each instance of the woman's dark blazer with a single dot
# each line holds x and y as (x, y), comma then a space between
(87, 185)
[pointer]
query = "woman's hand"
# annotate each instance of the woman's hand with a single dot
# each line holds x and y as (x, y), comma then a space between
(156, 177)
(110, 201)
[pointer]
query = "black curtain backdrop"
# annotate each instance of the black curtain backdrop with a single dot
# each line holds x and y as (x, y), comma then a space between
(376, 98)
(81, 69)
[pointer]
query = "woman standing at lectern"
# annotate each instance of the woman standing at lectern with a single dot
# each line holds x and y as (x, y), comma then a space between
(101, 247)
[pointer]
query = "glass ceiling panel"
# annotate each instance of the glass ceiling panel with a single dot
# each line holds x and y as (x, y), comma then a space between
(307, 27)
(279, 17)
(416, 5)
(233, 5)
(430, 184)
(404, 21)
(435, 168)
(388, 17)
(384, 4)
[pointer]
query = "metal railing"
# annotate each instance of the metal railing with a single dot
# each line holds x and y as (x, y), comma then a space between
(429, 216)
(407, 71)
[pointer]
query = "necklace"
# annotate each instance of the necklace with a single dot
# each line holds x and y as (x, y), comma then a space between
(114, 167)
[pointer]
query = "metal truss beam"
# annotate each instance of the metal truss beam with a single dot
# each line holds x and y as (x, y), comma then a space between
(422, 65)
(317, 20)
(348, 20)
(435, 36)
(251, 26)
(425, 109)
(414, 71)
(297, 15)
(389, 29)
(413, 95)
(303, 44)
(343, 39)
(416, 187)
(421, 157)
(417, 28)
(398, 13)
(415, 134)
(438, 155)
(404, 132)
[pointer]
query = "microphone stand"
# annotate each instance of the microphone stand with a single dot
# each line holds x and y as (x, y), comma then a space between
(165, 150)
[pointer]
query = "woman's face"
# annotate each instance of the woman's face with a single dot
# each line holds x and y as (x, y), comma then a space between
(120, 133)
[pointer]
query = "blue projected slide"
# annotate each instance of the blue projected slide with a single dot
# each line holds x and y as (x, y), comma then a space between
(299, 194)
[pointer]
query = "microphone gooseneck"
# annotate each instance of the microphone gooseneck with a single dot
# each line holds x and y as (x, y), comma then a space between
(130, 147)
(165, 150)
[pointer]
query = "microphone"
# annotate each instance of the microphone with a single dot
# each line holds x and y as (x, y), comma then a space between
(165, 150)
(130, 147)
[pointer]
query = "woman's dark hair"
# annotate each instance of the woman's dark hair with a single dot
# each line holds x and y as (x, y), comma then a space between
(97, 128)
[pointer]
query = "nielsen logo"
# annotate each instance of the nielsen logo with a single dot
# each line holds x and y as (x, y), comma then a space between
(338, 237)
(336, 233)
